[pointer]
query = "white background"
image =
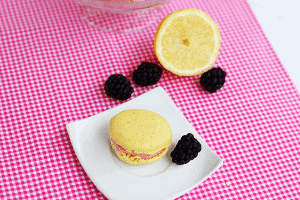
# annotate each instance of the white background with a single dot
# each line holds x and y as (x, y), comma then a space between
(280, 20)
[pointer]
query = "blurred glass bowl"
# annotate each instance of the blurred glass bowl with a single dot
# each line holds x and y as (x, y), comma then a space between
(121, 15)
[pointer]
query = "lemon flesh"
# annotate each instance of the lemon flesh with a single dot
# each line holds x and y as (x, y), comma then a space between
(187, 42)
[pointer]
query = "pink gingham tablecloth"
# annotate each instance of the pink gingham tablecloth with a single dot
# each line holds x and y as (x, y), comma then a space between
(54, 65)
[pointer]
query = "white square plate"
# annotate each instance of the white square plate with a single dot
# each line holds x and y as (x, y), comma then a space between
(160, 180)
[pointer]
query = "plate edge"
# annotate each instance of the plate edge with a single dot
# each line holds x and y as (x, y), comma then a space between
(159, 88)
(218, 166)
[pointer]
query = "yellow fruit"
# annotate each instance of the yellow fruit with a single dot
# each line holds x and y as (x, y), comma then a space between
(187, 42)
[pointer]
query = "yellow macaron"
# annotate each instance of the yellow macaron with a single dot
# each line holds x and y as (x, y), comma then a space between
(140, 136)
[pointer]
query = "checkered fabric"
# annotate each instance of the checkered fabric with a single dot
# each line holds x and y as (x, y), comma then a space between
(53, 68)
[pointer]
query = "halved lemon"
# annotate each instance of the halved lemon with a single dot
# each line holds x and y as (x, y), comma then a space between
(187, 42)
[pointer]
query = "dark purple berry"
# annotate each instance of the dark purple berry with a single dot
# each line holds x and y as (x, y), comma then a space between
(118, 87)
(186, 149)
(213, 79)
(147, 74)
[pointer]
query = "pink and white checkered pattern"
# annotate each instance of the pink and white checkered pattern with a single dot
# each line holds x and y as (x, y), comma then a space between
(54, 65)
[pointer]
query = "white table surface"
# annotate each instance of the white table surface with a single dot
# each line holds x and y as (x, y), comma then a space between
(280, 20)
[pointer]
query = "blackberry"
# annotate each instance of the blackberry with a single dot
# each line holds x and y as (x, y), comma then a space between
(147, 74)
(186, 150)
(213, 79)
(118, 87)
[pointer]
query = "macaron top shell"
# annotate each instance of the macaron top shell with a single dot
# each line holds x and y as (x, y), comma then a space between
(142, 131)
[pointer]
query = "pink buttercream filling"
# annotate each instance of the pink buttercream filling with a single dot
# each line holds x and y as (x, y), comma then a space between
(143, 156)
